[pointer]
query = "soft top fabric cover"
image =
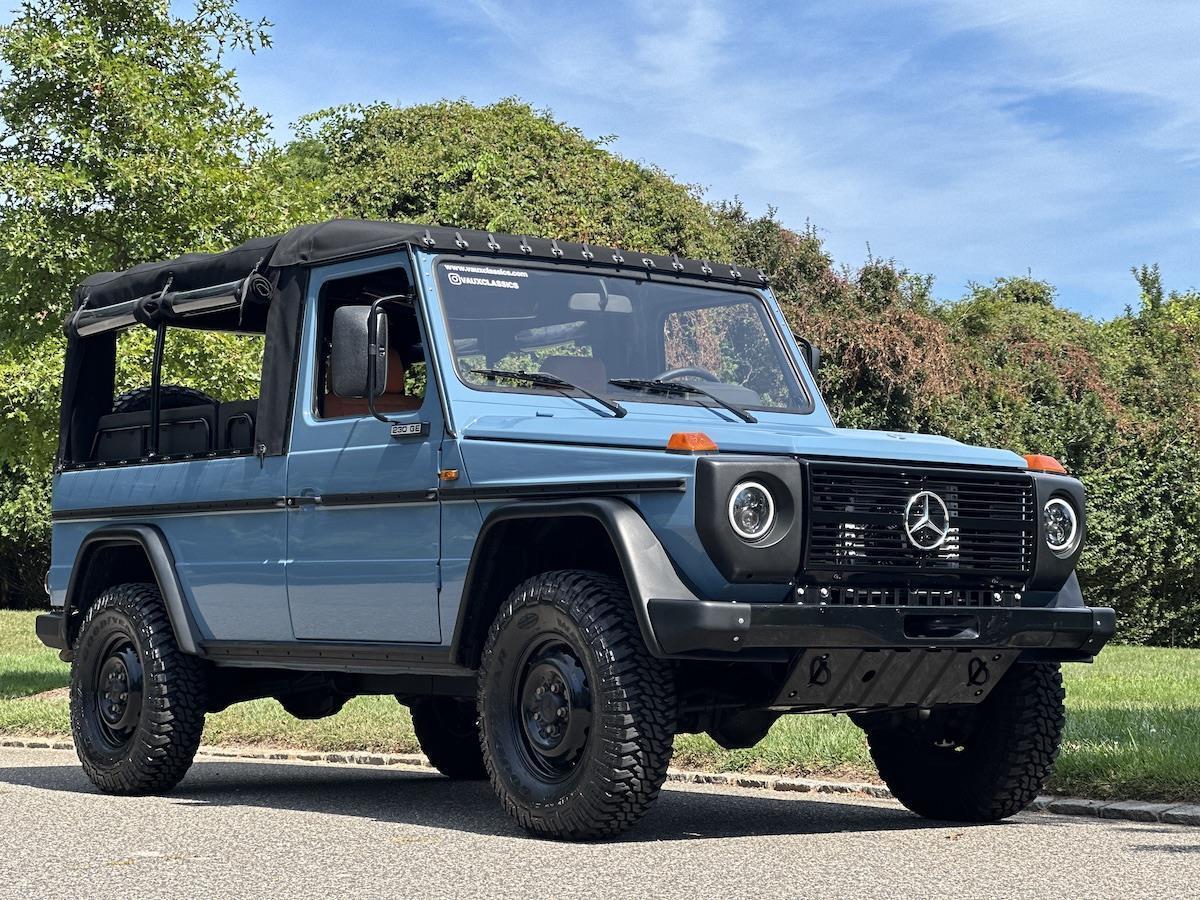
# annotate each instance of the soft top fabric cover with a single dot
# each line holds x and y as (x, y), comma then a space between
(308, 245)
(187, 272)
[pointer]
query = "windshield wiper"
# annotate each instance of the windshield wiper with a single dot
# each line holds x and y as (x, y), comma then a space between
(655, 386)
(542, 379)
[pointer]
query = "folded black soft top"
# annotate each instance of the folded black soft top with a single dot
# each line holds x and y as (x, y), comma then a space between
(308, 245)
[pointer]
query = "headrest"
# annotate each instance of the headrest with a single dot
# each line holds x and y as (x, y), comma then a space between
(584, 371)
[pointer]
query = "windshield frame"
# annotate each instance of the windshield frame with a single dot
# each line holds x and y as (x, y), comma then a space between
(767, 307)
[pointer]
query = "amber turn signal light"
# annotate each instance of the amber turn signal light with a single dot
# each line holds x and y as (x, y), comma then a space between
(690, 442)
(1039, 462)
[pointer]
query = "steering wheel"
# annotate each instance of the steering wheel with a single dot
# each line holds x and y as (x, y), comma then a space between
(688, 372)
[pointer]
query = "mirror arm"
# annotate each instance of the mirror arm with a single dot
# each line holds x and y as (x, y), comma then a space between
(812, 356)
(373, 351)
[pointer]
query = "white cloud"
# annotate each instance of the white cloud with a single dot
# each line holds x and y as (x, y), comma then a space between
(966, 139)
(1144, 50)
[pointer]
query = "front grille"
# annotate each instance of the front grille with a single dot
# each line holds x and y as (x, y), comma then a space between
(856, 516)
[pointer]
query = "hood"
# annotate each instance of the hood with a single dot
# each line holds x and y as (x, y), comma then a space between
(767, 436)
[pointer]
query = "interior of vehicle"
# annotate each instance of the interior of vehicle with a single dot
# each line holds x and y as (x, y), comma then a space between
(191, 422)
(582, 328)
(588, 329)
(405, 387)
(185, 431)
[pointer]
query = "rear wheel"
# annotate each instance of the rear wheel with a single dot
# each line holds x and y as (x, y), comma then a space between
(576, 717)
(980, 764)
(447, 732)
(137, 701)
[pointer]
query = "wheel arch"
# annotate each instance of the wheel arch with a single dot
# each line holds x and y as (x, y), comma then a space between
(521, 539)
(138, 553)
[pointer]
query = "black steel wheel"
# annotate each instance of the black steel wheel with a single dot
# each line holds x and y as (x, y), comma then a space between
(447, 732)
(551, 701)
(116, 693)
(137, 701)
(576, 717)
(977, 764)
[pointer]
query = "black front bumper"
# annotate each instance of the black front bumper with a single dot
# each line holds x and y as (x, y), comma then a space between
(706, 627)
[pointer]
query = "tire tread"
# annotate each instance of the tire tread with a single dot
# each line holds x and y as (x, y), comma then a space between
(175, 691)
(1006, 764)
(634, 699)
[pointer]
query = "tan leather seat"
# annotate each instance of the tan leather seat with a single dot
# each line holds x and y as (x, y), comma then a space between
(393, 399)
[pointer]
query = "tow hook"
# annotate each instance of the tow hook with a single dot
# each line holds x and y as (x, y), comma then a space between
(977, 671)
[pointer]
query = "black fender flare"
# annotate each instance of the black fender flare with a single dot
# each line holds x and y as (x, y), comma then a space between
(162, 564)
(648, 571)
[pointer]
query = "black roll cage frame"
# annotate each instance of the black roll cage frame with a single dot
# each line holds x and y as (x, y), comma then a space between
(160, 309)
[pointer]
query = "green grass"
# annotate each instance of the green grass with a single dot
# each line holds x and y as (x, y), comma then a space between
(1133, 727)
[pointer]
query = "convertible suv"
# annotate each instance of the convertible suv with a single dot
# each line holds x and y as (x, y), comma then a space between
(562, 501)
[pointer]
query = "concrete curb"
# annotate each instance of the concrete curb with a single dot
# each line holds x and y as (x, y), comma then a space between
(1129, 810)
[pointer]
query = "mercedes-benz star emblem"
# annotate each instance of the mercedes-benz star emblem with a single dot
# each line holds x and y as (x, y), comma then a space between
(926, 520)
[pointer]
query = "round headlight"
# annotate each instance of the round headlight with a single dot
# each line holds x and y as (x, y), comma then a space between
(1062, 525)
(751, 510)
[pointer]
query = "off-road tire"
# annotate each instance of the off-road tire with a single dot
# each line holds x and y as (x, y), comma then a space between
(619, 770)
(165, 734)
(1003, 751)
(448, 733)
(171, 396)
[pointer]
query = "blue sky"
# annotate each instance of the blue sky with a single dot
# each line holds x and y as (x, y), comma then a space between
(965, 139)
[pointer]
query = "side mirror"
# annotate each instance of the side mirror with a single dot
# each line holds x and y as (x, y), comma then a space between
(812, 356)
(358, 360)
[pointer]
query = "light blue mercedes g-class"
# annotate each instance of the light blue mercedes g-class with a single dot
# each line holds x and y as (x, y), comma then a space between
(563, 501)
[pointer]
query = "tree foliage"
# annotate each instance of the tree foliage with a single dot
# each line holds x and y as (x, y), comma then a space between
(504, 167)
(125, 139)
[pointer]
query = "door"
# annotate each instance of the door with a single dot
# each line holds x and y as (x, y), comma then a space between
(363, 520)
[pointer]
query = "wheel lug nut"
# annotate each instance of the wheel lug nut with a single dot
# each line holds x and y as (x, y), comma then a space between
(537, 717)
(562, 712)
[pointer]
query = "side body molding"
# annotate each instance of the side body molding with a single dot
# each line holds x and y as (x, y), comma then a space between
(648, 571)
(162, 563)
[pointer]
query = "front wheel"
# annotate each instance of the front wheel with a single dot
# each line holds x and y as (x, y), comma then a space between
(576, 717)
(137, 701)
(979, 764)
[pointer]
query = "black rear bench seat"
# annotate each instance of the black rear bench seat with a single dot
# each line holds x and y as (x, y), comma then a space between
(185, 431)
(235, 425)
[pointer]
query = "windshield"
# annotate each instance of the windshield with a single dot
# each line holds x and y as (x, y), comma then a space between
(589, 329)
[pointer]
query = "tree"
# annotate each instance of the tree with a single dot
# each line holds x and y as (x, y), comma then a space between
(123, 138)
(504, 167)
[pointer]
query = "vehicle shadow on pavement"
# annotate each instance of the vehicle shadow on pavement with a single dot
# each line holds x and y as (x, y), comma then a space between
(429, 800)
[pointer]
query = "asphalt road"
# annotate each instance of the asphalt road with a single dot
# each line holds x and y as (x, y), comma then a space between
(283, 829)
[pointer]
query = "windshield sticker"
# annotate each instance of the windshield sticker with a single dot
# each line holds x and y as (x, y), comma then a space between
(484, 276)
